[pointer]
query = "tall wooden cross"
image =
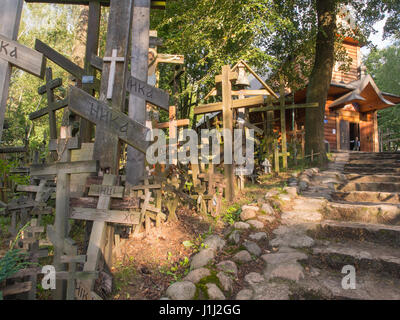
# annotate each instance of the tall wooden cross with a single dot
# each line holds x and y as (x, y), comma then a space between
(107, 147)
(135, 166)
(63, 169)
(12, 53)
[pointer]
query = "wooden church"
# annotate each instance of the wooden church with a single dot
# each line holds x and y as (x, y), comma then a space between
(351, 111)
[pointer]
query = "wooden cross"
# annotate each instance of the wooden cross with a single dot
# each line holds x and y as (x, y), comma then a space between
(70, 256)
(114, 121)
(101, 216)
(63, 169)
(53, 105)
(296, 132)
(12, 53)
(107, 145)
(111, 76)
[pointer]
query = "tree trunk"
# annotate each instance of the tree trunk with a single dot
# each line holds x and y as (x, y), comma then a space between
(320, 78)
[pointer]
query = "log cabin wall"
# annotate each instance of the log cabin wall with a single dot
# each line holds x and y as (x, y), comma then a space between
(353, 52)
(330, 127)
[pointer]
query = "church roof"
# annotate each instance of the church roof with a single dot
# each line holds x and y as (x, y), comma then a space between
(365, 94)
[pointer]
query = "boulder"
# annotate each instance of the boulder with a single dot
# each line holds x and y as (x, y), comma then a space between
(256, 224)
(258, 236)
(196, 275)
(184, 290)
(225, 281)
(245, 294)
(228, 266)
(214, 293)
(252, 247)
(242, 256)
(241, 225)
(254, 277)
(234, 237)
(214, 242)
(248, 214)
(291, 271)
(267, 208)
(202, 258)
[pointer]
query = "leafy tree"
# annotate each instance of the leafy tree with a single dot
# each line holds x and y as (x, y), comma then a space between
(384, 67)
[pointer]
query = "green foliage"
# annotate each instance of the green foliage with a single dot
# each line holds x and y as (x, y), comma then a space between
(384, 67)
(232, 214)
(13, 260)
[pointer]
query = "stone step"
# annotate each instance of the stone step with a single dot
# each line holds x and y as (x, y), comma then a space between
(367, 197)
(370, 213)
(366, 256)
(376, 165)
(372, 171)
(376, 233)
(327, 285)
(372, 178)
(373, 162)
(369, 186)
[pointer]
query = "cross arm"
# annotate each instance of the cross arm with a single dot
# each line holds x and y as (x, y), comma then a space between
(65, 167)
(62, 61)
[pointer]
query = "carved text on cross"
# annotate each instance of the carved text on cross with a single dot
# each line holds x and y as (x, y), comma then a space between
(113, 59)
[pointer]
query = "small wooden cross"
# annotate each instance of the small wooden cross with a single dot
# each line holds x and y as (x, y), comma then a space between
(53, 106)
(113, 59)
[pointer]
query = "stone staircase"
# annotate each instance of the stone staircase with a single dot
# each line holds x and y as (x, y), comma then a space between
(350, 215)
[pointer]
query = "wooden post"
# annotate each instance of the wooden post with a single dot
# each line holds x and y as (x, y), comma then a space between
(98, 235)
(228, 125)
(10, 16)
(276, 155)
(135, 167)
(92, 46)
(62, 211)
(107, 146)
(283, 122)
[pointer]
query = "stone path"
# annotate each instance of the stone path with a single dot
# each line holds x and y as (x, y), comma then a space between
(347, 215)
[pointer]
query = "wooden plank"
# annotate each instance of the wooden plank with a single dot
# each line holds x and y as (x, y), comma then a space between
(22, 57)
(148, 93)
(283, 123)
(17, 288)
(10, 16)
(112, 191)
(73, 259)
(71, 143)
(289, 106)
(98, 234)
(155, 4)
(228, 125)
(236, 104)
(20, 149)
(179, 123)
(105, 215)
(114, 121)
(144, 187)
(232, 77)
(59, 59)
(82, 275)
(248, 92)
(64, 167)
(135, 165)
(42, 112)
